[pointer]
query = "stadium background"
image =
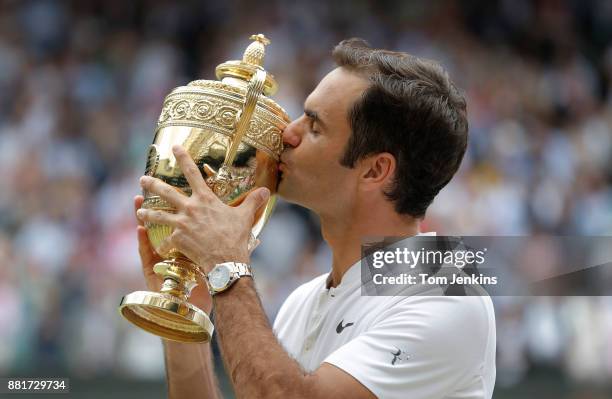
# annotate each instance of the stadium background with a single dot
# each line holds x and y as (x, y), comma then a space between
(81, 86)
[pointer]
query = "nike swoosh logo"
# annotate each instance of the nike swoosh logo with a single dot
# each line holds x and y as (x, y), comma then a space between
(341, 327)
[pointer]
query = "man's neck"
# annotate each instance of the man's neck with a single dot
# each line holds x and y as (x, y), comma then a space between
(345, 235)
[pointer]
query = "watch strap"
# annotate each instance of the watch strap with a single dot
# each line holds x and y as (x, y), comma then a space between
(242, 269)
(237, 270)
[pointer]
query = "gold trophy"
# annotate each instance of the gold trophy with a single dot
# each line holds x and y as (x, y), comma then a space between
(232, 130)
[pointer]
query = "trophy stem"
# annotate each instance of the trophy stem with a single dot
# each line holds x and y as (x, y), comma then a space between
(173, 287)
(168, 313)
(179, 275)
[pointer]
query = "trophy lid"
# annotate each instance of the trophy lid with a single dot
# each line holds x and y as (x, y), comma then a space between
(237, 106)
(241, 72)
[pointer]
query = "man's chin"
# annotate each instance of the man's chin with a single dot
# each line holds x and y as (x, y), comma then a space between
(284, 191)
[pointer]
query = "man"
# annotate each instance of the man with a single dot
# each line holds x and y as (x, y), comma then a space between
(379, 137)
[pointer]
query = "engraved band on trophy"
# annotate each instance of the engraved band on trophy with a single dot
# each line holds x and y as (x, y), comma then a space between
(232, 130)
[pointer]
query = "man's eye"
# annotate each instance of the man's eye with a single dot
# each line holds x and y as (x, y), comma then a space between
(313, 128)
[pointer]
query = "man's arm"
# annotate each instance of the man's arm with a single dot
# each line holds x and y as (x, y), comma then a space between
(189, 367)
(190, 371)
(257, 364)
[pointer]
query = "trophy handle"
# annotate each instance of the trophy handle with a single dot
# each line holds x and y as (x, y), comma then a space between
(254, 90)
(221, 181)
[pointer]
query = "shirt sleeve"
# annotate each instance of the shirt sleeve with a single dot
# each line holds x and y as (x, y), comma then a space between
(425, 347)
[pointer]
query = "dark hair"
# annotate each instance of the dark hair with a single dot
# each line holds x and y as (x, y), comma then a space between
(411, 110)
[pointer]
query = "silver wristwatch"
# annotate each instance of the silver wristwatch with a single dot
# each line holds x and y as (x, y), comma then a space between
(223, 275)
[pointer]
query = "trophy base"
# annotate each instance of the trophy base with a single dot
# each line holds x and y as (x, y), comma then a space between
(167, 316)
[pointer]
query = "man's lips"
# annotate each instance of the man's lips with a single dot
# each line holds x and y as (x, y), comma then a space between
(282, 165)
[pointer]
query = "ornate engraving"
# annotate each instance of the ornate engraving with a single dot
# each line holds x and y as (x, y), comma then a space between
(272, 137)
(229, 182)
(226, 116)
(256, 128)
(181, 109)
(203, 110)
(218, 111)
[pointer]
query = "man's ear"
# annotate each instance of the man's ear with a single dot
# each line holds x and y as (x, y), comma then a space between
(377, 170)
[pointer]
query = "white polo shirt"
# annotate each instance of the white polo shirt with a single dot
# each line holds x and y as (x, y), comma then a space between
(412, 347)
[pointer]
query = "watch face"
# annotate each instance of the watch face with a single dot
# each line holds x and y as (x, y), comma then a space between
(219, 277)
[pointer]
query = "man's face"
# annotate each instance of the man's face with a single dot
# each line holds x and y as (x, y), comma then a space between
(311, 174)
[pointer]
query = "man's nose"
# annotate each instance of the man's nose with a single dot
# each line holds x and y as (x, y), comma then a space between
(291, 135)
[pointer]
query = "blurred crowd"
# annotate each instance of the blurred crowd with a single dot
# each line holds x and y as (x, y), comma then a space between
(81, 88)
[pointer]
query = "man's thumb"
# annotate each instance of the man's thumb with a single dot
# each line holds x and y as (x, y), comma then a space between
(257, 198)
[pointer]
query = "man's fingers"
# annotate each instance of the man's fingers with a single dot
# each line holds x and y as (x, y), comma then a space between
(190, 170)
(253, 243)
(143, 244)
(164, 190)
(138, 200)
(148, 258)
(255, 200)
(145, 250)
(157, 217)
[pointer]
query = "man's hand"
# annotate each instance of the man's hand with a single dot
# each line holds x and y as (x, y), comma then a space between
(200, 296)
(148, 256)
(206, 230)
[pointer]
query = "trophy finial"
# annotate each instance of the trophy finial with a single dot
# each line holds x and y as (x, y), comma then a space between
(256, 51)
(241, 72)
(260, 37)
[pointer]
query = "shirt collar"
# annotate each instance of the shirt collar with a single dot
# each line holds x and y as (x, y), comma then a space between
(352, 276)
